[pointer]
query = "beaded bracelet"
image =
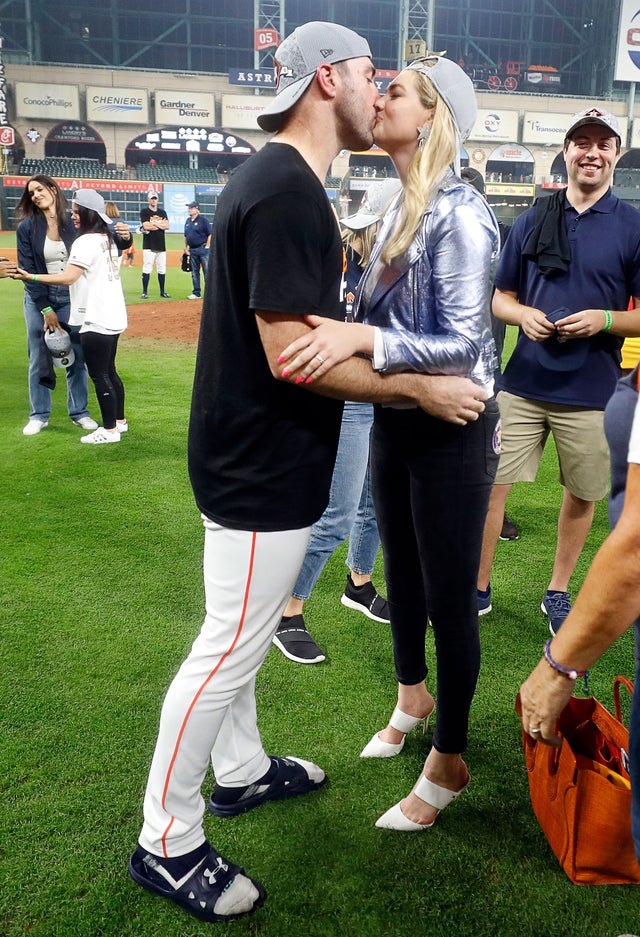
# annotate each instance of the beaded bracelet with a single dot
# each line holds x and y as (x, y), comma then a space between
(566, 671)
(608, 320)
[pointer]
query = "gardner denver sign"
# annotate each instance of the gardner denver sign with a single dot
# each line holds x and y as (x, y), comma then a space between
(176, 107)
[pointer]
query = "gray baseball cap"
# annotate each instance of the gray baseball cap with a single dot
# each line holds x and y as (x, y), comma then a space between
(89, 198)
(297, 58)
(594, 115)
(454, 87)
(59, 344)
(373, 206)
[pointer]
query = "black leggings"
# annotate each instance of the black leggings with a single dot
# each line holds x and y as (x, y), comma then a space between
(431, 487)
(100, 355)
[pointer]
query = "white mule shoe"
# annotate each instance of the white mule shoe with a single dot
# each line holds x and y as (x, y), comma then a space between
(432, 794)
(401, 721)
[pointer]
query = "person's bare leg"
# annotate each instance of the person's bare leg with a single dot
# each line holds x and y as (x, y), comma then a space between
(413, 700)
(294, 607)
(492, 528)
(574, 524)
(448, 771)
(359, 579)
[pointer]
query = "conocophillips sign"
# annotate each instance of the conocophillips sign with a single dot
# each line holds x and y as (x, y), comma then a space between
(47, 101)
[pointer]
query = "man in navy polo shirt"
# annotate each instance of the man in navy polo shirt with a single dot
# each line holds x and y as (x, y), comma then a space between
(568, 269)
(197, 236)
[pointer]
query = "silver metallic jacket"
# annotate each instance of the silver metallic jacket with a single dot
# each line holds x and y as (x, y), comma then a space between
(432, 305)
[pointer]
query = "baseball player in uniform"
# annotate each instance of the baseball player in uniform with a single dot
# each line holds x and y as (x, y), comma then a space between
(261, 455)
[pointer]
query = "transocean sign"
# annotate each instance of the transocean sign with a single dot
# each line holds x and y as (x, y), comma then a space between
(178, 108)
(117, 105)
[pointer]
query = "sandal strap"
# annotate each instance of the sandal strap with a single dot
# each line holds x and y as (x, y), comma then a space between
(435, 795)
(403, 722)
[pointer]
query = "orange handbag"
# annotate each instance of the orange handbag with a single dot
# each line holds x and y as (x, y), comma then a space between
(581, 793)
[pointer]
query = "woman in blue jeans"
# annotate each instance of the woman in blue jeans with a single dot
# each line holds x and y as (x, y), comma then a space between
(350, 511)
(45, 235)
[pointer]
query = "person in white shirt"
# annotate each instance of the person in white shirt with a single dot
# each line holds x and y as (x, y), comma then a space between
(97, 307)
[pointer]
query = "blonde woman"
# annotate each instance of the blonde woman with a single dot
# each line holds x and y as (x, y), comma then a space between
(423, 305)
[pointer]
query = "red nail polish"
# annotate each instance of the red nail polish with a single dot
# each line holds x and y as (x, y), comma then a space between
(299, 380)
(285, 374)
(308, 380)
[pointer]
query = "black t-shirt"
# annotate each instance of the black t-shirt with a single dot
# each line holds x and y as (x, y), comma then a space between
(152, 240)
(261, 451)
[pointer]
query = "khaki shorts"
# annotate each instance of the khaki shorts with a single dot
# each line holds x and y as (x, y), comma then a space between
(583, 453)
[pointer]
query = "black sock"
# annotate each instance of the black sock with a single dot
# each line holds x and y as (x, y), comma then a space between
(161, 282)
(145, 282)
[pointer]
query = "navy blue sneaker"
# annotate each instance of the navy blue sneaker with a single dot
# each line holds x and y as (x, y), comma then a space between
(484, 601)
(287, 777)
(556, 606)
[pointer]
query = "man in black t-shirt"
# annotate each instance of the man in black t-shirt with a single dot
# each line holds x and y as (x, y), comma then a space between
(261, 455)
(154, 223)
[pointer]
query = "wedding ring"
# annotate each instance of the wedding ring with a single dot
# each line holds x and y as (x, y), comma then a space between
(536, 731)
(320, 359)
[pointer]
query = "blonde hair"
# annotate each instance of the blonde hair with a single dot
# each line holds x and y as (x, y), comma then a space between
(427, 168)
(361, 241)
(111, 209)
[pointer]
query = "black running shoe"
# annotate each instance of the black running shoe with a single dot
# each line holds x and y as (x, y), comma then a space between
(365, 599)
(296, 643)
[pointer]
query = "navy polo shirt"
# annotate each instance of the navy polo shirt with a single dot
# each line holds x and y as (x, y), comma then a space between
(197, 231)
(603, 274)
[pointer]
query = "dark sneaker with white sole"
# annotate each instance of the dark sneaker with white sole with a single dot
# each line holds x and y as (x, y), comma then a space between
(296, 643)
(509, 530)
(556, 606)
(365, 599)
(212, 889)
(287, 777)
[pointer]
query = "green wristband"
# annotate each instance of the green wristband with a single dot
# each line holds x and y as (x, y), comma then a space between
(34, 278)
(608, 320)
(46, 310)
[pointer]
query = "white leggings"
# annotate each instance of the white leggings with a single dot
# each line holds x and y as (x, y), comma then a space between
(209, 711)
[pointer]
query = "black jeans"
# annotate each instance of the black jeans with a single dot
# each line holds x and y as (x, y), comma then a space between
(100, 355)
(431, 487)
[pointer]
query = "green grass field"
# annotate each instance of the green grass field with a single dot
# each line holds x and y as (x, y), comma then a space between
(101, 599)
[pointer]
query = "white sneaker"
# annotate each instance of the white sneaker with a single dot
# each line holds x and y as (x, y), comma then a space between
(122, 427)
(34, 426)
(86, 422)
(101, 435)
(193, 296)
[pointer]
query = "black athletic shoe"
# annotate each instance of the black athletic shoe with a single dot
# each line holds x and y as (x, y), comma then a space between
(296, 643)
(144, 296)
(287, 777)
(165, 295)
(509, 530)
(365, 599)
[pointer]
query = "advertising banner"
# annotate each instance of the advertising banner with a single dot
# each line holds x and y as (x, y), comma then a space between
(628, 50)
(117, 105)
(50, 102)
(496, 126)
(177, 107)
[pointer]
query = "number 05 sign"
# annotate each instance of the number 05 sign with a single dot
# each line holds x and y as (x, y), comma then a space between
(265, 38)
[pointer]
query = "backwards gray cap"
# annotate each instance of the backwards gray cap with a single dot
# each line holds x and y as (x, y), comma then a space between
(89, 198)
(297, 58)
(454, 87)
(373, 206)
